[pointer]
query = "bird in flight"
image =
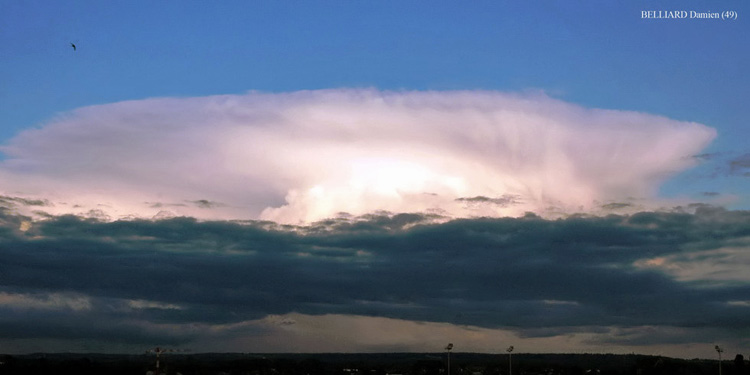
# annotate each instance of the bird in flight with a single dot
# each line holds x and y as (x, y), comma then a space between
(73, 45)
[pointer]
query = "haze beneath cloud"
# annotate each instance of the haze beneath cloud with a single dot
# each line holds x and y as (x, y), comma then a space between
(305, 156)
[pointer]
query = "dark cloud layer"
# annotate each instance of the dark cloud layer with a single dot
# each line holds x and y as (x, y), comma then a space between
(534, 276)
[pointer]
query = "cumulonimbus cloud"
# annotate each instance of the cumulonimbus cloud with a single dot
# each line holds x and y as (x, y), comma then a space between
(308, 155)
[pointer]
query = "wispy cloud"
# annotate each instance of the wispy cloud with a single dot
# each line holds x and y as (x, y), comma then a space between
(740, 165)
(309, 155)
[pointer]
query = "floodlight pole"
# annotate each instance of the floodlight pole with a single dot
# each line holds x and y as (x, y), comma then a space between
(719, 350)
(510, 362)
(159, 352)
(448, 351)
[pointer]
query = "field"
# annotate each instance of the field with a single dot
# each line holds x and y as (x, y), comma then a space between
(362, 364)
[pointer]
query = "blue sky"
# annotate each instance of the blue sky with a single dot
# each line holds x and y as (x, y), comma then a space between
(592, 54)
(444, 110)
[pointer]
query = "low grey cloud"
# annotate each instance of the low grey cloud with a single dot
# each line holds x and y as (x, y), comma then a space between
(709, 156)
(8, 201)
(204, 203)
(532, 276)
(616, 206)
(162, 205)
(740, 165)
(724, 164)
(502, 201)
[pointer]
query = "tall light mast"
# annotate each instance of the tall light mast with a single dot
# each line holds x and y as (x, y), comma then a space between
(510, 364)
(159, 351)
(448, 351)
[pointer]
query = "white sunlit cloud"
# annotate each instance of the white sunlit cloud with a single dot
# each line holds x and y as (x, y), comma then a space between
(142, 304)
(721, 266)
(72, 302)
(51, 301)
(309, 155)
